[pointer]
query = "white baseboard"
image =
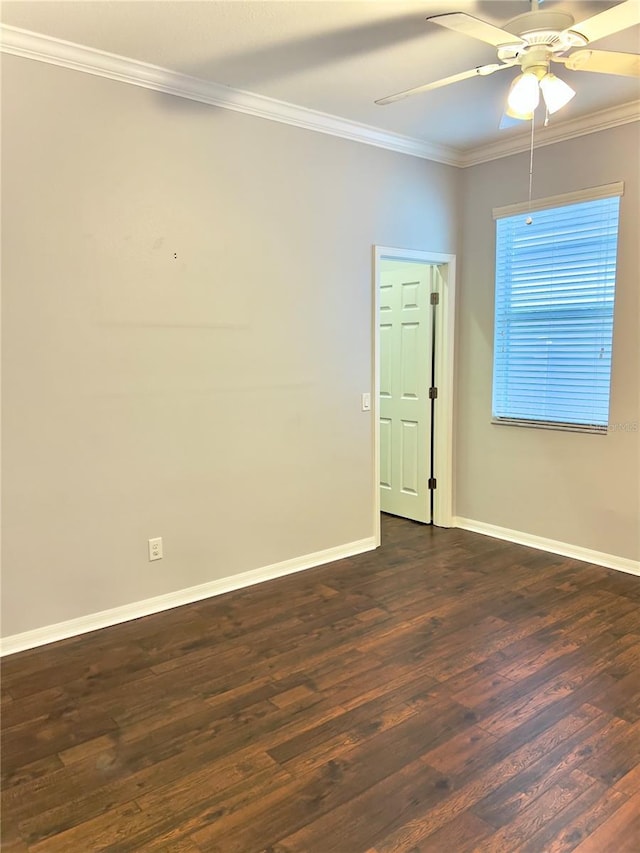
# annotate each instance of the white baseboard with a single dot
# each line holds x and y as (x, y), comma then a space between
(564, 549)
(93, 621)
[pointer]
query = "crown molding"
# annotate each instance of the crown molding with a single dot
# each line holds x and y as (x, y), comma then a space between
(88, 60)
(65, 54)
(601, 120)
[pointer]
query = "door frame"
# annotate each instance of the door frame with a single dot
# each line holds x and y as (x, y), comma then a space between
(444, 367)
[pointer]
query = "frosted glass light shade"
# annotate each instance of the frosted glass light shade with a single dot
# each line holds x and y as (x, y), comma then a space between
(520, 116)
(556, 92)
(524, 95)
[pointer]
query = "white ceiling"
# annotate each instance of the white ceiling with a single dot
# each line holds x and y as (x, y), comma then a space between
(332, 56)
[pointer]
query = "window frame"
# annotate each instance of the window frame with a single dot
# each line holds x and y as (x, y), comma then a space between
(523, 208)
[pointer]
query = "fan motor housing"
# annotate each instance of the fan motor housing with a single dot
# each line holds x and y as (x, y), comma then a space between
(551, 30)
(531, 22)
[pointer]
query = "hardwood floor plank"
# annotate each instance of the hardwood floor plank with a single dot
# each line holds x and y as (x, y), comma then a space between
(456, 755)
(310, 750)
(99, 663)
(356, 823)
(483, 783)
(97, 833)
(377, 714)
(482, 687)
(502, 804)
(622, 696)
(167, 844)
(570, 832)
(577, 821)
(184, 811)
(561, 678)
(35, 770)
(447, 691)
(403, 730)
(461, 835)
(532, 818)
(617, 756)
(620, 832)
(89, 749)
(145, 788)
(630, 782)
(357, 766)
(15, 845)
(39, 705)
(43, 738)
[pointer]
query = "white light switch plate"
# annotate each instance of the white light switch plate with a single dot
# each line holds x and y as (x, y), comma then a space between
(365, 402)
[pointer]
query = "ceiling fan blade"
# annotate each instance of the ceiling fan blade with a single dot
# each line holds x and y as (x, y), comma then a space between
(481, 71)
(604, 62)
(610, 21)
(460, 22)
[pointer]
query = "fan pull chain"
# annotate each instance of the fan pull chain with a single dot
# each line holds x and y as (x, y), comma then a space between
(529, 220)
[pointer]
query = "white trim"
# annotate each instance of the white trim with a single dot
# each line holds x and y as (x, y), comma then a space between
(378, 252)
(445, 349)
(585, 429)
(590, 194)
(445, 358)
(601, 120)
(564, 549)
(43, 48)
(94, 621)
(88, 60)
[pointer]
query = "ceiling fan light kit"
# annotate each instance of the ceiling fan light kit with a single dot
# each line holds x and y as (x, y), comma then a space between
(533, 41)
(524, 95)
(556, 92)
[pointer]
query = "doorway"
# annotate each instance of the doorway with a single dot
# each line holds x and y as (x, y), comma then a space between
(413, 382)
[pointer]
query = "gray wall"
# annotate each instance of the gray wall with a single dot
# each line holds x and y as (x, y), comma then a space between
(574, 488)
(212, 399)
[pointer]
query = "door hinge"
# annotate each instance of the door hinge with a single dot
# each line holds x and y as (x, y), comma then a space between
(432, 483)
(433, 393)
(435, 298)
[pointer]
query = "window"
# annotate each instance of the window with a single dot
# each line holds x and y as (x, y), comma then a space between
(555, 285)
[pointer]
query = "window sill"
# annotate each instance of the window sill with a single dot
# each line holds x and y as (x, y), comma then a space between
(593, 429)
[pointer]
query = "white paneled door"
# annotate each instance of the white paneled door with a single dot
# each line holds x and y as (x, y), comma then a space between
(405, 379)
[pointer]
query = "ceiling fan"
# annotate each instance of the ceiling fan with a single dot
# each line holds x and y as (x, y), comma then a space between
(533, 41)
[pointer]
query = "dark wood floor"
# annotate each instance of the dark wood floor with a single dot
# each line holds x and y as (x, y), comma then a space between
(448, 692)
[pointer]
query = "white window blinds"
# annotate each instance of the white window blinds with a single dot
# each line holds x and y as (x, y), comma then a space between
(555, 284)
